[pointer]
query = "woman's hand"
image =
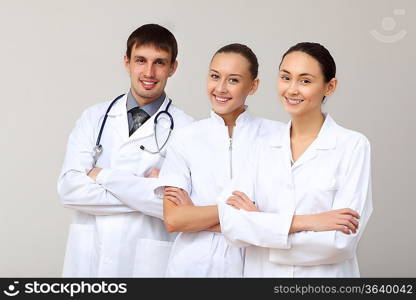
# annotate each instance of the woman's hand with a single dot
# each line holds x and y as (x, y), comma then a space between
(239, 200)
(154, 173)
(177, 196)
(344, 220)
(93, 173)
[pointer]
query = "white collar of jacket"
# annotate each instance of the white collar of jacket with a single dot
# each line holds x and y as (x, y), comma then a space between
(244, 118)
(326, 138)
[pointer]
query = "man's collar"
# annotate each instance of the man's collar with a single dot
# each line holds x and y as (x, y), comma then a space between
(151, 108)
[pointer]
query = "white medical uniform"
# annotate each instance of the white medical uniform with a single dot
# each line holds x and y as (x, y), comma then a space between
(117, 230)
(201, 160)
(333, 173)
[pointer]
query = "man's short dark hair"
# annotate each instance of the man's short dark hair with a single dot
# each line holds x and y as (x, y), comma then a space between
(153, 35)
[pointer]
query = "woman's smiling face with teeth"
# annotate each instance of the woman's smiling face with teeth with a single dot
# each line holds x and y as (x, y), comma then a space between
(301, 84)
(229, 83)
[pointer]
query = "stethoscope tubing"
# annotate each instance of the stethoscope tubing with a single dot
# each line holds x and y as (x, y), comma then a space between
(98, 147)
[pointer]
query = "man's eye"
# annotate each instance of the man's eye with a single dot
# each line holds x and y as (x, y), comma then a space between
(140, 60)
(160, 62)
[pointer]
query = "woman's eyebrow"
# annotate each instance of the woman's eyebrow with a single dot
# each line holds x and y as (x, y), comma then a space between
(306, 74)
(213, 70)
(303, 74)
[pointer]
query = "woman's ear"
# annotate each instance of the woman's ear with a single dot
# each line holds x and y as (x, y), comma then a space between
(254, 86)
(331, 87)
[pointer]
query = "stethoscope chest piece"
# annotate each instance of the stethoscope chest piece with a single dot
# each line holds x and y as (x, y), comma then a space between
(98, 149)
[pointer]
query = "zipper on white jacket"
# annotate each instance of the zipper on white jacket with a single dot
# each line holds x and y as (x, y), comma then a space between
(230, 150)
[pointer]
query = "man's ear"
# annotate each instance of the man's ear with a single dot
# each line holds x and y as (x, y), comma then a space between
(173, 68)
(127, 63)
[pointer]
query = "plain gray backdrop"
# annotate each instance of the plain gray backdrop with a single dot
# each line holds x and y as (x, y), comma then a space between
(59, 57)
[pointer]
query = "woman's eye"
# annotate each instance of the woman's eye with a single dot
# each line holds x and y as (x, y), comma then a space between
(305, 81)
(233, 80)
(214, 76)
(284, 77)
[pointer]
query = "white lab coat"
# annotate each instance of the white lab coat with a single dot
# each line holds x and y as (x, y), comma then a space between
(117, 230)
(334, 172)
(201, 160)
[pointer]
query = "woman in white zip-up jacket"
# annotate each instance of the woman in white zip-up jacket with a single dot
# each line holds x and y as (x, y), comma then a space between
(202, 159)
(314, 166)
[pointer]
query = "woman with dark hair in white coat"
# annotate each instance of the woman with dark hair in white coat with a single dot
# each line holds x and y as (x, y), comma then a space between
(304, 200)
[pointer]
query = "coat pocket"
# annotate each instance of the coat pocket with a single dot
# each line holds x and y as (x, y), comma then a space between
(79, 251)
(151, 258)
(322, 194)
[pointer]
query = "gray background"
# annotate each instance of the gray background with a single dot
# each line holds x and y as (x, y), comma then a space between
(59, 57)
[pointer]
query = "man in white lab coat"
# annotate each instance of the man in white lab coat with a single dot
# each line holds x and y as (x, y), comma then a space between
(117, 229)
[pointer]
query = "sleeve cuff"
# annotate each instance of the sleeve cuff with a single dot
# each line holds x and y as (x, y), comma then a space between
(170, 181)
(281, 223)
(275, 228)
(103, 176)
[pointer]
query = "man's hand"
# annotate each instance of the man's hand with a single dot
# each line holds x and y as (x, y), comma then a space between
(154, 173)
(93, 173)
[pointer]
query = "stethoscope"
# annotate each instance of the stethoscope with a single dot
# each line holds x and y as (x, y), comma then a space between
(98, 148)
